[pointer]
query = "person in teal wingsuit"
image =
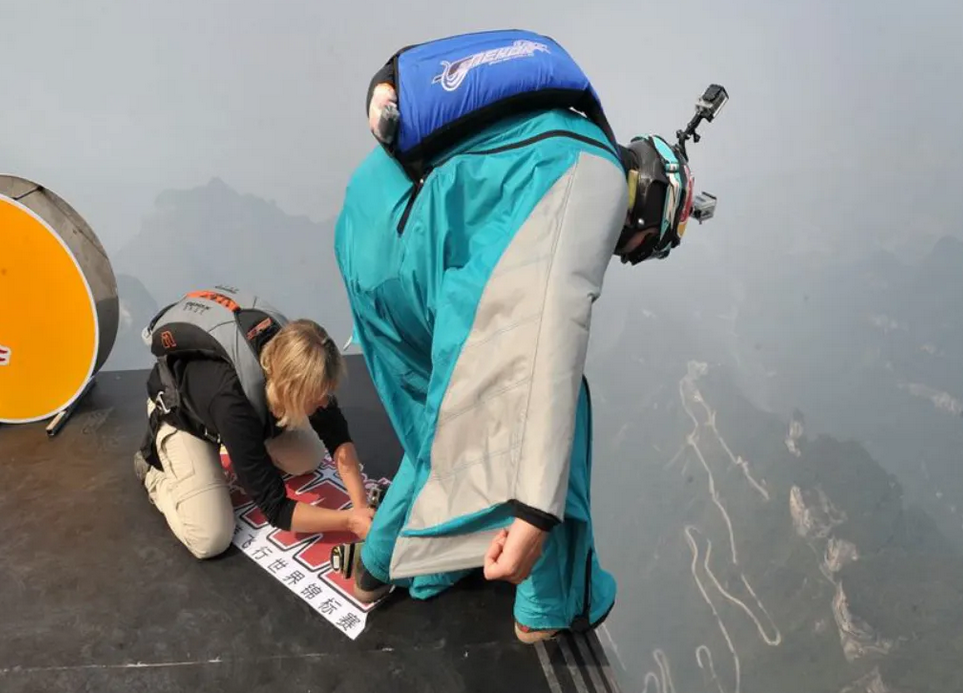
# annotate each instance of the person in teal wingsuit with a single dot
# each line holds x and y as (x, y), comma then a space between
(473, 242)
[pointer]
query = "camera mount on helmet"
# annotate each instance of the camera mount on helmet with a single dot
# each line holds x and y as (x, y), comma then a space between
(707, 108)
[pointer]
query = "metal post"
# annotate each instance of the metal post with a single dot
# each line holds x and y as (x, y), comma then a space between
(53, 428)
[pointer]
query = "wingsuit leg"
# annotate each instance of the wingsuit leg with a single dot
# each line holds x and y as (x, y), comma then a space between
(385, 528)
(387, 523)
(567, 587)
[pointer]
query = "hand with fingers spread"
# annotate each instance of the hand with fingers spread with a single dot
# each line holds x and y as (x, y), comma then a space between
(513, 552)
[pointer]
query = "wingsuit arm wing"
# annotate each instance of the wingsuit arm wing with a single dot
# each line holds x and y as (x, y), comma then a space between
(510, 337)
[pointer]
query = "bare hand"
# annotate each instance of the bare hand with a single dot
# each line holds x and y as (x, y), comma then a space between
(359, 521)
(513, 552)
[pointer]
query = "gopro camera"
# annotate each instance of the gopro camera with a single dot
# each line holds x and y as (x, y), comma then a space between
(707, 107)
(376, 494)
(703, 206)
(712, 101)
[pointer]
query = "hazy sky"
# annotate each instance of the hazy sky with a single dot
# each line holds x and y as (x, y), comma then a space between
(111, 102)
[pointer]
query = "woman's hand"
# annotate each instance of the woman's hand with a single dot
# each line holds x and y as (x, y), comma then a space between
(349, 469)
(311, 519)
(513, 552)
(359, 521)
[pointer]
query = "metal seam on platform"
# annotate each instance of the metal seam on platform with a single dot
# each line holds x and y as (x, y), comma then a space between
(574, 669)
(559, 667)
(549, 672)
(599, 653)
(590, 665)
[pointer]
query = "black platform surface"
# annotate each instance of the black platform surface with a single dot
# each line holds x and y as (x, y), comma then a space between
(97, 595)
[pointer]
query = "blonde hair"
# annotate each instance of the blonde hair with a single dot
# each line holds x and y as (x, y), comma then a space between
(301, 365)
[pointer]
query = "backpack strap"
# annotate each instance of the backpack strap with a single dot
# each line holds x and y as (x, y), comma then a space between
(171, 407)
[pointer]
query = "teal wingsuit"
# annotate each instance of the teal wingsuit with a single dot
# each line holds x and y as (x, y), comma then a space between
(473, 315)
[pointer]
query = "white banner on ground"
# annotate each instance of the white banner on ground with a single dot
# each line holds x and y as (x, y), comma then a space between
(302, 562)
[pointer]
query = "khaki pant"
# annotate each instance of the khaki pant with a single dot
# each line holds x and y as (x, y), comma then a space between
(192, 489)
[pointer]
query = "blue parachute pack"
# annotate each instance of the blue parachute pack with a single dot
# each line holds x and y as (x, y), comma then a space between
(450, 88)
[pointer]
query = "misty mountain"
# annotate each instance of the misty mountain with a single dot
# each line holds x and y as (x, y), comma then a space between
(199, 237)
(869, 350)
(865, 348)
(753, 556)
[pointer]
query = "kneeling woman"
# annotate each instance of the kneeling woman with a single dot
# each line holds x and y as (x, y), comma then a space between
(231, 369)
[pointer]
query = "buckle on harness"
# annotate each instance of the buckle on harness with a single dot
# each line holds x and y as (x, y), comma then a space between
(376, 494)
(161, 404)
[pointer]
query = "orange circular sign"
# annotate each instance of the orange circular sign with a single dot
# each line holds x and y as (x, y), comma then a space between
(50, 328)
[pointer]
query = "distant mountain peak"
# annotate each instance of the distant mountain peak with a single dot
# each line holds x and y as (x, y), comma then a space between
(946, 257)
(217, 183)
(215, 191)
(201, 235)
(947, 244)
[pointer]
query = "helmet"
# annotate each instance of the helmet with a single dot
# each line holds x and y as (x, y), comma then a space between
(660, 196)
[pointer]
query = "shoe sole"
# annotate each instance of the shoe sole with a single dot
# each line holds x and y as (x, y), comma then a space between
(533, 637)
(366, 597)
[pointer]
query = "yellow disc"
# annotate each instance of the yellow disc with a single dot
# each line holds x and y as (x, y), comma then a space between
(48, 318)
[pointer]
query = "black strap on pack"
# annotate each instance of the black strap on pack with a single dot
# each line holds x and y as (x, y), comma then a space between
(171, 408)
(582, 622)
